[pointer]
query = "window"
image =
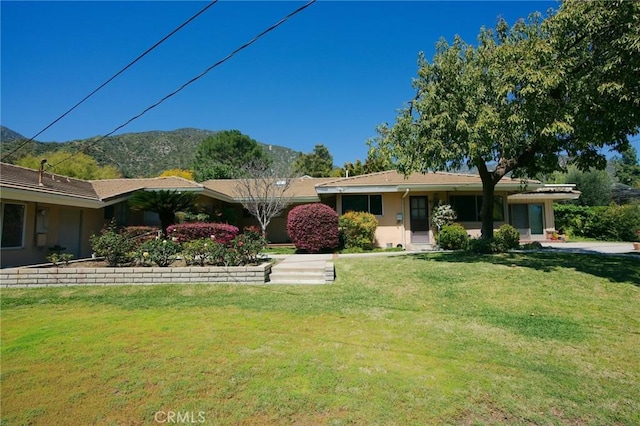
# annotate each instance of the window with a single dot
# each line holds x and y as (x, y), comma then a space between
(467, 207)
(12, 226)
(362, 203)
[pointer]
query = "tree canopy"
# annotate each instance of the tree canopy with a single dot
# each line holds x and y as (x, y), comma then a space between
(526, 94)
(318, 163)
(80, 166)
(223, 155)
(627, 168)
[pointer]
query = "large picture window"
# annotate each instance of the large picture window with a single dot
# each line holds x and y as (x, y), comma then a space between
(362, 203)
(12, 226)
(468, 207)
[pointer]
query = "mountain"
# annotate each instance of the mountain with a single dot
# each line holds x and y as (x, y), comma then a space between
(144, 154)
(8, 135)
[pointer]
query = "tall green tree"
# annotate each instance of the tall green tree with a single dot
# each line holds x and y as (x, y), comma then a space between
(80, 166)
(164, 202)
(318, 163)
(594, 185)
(627, 167)
(526, 94)
(224, 155)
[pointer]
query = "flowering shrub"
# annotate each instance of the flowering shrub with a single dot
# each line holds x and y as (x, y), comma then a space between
(220, 232)
(358, 230)
(159, 251)
(115, 247)
(313, 227)
(197, 252)
(453, 237)
(244, 249)
(443, 214)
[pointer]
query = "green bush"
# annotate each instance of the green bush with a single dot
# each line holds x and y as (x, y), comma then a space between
(159, 251)
(507, 238)
(358, 230)
(609, 223)
(116, 248)
(453, 237)
(483, 246)
(197, 252)
(614, 223)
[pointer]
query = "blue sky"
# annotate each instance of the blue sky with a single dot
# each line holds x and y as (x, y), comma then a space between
(327, 76)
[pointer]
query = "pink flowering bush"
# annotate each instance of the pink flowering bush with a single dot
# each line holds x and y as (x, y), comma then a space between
(313, 227)
(219, 232)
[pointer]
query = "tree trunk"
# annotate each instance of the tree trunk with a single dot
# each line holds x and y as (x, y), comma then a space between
(489, 181)
(166, 219)
(486, 212)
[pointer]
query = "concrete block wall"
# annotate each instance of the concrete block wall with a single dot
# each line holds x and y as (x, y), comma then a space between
(62, 277)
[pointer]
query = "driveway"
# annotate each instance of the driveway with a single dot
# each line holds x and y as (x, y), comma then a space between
(596, 247)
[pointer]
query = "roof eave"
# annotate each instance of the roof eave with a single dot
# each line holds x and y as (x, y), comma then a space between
(31, 195)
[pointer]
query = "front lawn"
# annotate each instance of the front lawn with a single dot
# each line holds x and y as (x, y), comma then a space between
(439, 338)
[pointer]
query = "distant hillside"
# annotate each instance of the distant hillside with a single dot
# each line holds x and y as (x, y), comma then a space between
(144, 154)
(8, 135)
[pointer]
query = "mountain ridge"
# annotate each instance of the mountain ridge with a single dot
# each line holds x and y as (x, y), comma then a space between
(138, 154)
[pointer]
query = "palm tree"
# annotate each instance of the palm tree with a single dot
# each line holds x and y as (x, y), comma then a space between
(164, 202)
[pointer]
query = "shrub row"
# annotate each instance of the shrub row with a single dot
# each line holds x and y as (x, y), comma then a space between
(454, 237)
(609, 223)
(121, 247)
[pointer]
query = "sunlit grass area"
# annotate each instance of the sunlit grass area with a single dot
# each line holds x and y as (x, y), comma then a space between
(442, 338)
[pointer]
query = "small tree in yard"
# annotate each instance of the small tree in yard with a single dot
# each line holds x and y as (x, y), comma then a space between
(263, 192)
(313, 227)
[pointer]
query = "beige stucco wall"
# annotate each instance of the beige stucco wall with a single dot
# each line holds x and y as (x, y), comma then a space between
(31, 253)
(394, 232)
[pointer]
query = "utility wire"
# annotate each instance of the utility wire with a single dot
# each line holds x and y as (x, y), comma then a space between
(185, 23)
(194, 79)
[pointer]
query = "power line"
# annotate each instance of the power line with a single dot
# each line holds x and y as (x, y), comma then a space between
(194, 79)
(165, 38)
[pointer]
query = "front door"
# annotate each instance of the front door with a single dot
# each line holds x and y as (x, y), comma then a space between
(419, 219)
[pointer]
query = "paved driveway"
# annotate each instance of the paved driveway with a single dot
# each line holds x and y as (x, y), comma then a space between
(598, 247)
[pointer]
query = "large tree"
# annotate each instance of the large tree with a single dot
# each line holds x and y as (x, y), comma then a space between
(223, 155)
(526, 94)
(318, 163)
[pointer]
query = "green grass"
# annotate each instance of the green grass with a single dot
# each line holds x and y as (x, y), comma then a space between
(443, 338)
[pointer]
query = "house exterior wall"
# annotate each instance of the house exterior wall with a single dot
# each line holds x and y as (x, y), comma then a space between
(42, 230)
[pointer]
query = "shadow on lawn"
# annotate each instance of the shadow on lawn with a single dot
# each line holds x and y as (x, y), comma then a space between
(614, 268)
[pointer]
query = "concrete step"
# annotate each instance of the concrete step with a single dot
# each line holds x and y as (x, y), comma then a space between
(309, 273)
(420, 247)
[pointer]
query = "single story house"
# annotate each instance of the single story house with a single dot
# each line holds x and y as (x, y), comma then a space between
(40, 210)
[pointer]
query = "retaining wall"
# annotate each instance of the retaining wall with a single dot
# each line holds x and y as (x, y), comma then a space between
(61, 277)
